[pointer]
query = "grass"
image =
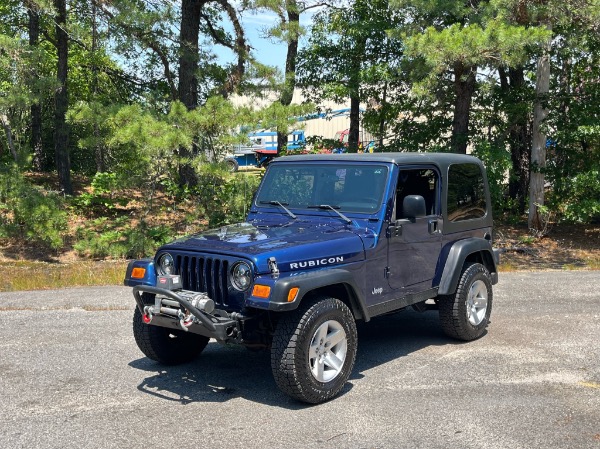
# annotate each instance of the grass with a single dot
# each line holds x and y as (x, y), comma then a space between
(31, 275)
(507, 266)
(591, 258)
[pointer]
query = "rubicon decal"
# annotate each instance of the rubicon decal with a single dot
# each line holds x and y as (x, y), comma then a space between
(316, 262)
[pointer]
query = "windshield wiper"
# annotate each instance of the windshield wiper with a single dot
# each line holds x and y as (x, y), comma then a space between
(282, 205)
(333, 208)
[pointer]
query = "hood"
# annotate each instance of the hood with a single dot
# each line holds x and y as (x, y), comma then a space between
(296, 244)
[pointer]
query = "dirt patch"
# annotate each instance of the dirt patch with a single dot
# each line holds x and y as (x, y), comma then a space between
(568, 247)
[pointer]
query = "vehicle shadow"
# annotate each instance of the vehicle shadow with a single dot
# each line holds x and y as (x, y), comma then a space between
(389, 337)
(222, 373)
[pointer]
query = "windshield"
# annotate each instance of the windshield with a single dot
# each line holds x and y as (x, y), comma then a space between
(347, 187)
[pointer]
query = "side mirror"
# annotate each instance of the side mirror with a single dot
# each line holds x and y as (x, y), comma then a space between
(413, 207)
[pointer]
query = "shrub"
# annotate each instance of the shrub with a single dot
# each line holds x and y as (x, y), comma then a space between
(103, 188)
(119, 239)
(582, 201)
(31, 213)
(497, 163)
(223, 197)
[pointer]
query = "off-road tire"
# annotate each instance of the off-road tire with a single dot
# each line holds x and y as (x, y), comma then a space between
(475, 284)
(166, 346)
(291, 349)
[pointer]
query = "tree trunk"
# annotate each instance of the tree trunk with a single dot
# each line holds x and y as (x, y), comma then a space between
(188, 82)
(290, 64)
(9, 138)
(538, 147)
(36, 108)
(383, 112)
(519, 139)
(99, 146)
(464, 87)
(61, 101)
(354, 132)
(188, 53)
(354, 89)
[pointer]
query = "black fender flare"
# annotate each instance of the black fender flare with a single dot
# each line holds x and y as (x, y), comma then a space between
(457, 255)
(312, 280)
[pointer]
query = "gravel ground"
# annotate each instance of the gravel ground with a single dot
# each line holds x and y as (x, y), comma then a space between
(71, 376)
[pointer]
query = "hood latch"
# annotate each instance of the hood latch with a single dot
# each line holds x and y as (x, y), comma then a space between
(272, 264)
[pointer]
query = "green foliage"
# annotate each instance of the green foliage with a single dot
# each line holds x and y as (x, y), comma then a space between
(317, 145)
(31, 213)
(119, 238)
(345, 43)
(492, 43)
(527, 239)
(103, 187)
(283, 119)
(573, 169)
(497, 162)
(22, 84)
(224, 198)
(216, 121)
(148, 143)
(395, 56)
(581, 203)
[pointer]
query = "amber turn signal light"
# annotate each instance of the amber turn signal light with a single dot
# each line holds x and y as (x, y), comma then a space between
(293, 293)
(138, 273)
(261, 291)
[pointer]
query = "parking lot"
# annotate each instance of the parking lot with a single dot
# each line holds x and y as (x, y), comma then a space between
(71, 376)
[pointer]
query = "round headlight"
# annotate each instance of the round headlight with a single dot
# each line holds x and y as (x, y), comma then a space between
(166, 265)
(241, 276)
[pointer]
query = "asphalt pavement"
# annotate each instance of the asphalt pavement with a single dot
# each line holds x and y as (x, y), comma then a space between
(71, 376)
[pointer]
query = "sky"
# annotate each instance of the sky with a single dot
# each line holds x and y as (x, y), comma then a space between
(266, 51)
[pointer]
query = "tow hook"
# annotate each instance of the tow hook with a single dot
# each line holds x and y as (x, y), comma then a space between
(147, 315)
(185, 321)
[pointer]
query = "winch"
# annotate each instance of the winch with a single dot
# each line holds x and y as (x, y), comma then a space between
(167, 306)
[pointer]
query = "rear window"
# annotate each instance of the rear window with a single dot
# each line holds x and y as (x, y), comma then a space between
(466, 192)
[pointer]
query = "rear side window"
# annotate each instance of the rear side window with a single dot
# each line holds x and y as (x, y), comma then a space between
(466, 193)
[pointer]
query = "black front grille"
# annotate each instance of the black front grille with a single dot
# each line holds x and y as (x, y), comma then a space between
(204, 274)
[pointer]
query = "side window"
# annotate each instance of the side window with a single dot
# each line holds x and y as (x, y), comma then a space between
(422, 182)
(466, 193)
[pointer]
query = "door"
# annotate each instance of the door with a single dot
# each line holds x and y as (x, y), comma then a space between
(414, 243)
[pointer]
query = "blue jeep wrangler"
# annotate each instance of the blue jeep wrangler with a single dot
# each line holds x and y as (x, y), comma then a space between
(329, 240)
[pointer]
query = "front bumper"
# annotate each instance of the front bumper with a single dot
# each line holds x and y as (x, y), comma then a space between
(187, 317)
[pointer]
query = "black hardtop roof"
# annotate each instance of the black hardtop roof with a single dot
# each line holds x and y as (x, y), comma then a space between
(440, 159)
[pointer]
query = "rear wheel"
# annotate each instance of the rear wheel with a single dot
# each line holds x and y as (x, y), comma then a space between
(465, 314)
(232, 165)
(314, 349)
(167, 346)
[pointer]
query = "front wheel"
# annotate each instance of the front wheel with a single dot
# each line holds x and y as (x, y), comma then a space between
(465, 314)
(314, 349)
(167, 346)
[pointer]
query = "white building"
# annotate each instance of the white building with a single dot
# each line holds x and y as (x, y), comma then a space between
(335, 117)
